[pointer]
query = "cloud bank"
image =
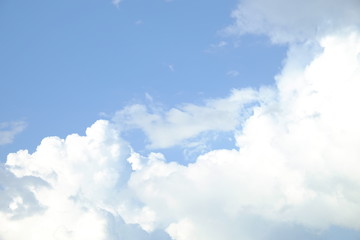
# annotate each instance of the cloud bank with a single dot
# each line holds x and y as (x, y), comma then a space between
(297, 160)
(295, 163)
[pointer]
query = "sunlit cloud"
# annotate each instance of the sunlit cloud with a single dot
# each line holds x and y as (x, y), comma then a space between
(294, 162)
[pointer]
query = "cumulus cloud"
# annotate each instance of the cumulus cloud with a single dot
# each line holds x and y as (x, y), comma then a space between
(289, 21)
(8, 131)
(295, 164)
(68, 189)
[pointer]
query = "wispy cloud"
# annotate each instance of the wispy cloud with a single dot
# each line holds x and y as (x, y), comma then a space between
(166, 128)
(116, 2)
(216, 46)
(219, 44)
(139, 22)
(8, 131)
(232, 73)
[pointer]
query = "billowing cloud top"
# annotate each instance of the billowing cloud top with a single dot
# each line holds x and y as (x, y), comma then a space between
(295, 164)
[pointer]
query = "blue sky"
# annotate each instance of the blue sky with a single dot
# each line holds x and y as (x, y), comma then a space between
(65, 62)
(177, 119)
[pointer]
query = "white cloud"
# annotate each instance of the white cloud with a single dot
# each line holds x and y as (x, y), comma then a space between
(296, 162)
(68, 189)
(217, 46)
(293, 20)
(220, 44)
(8, 131)
(168, 128)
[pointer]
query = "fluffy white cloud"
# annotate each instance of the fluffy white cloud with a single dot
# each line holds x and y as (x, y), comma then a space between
(68, 189)
(295, 163)
(8, 131)
(293, 20)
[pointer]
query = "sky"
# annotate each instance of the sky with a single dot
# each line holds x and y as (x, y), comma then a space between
(66, 62)
(180, 120)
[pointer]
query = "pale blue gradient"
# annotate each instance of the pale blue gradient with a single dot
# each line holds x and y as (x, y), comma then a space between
(64, 62)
